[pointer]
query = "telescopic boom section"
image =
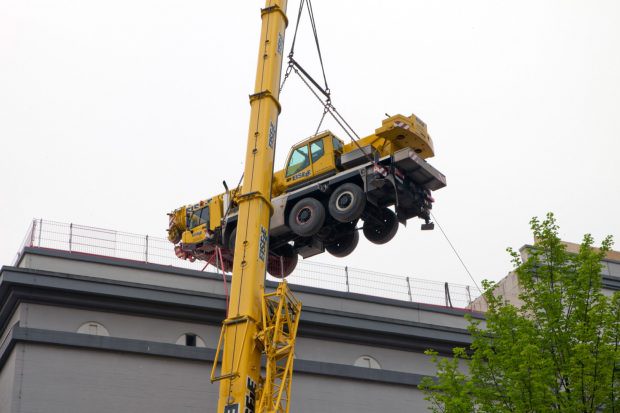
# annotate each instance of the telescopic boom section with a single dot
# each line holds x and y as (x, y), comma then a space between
(241, 357)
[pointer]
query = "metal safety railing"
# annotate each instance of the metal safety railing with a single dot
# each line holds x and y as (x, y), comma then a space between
(144, 248)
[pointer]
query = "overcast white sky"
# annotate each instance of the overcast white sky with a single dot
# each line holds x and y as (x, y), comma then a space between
(114, 113)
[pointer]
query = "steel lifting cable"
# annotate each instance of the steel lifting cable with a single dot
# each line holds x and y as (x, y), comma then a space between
(320, 122)
(307, 79)
(316, 42)
(301, 9)
(217, 257)
(329, 108)
(218, 252)
(456, 253)
(292, 51)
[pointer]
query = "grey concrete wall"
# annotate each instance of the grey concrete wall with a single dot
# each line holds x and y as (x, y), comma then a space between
(15, 318)
(120, 273)
(315, 394)
(347, 353)
(7, 380)
(62, 380)
(118, 325)
(509, 288)
(168, 331)
(382, 310)
(611, 268)
(70, 380)
(329, 300)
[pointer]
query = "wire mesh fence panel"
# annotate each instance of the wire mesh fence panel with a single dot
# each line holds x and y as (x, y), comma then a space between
(161, 251)
(26, 242)
(50, 234)
(380, 284)
(90, 241)
(131, 247)
(144, 248)
(318, 275)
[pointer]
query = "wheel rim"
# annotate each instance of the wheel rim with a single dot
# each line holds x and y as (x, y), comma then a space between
(344, 201)
(304, 215)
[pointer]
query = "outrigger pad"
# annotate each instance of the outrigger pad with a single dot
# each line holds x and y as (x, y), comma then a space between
(427, 227)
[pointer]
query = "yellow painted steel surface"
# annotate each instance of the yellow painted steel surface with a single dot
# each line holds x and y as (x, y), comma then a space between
(281, 311)
(398, 132)
(241, 357)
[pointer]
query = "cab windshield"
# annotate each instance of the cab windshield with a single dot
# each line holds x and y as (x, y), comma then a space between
(198, 217)
(299, 160)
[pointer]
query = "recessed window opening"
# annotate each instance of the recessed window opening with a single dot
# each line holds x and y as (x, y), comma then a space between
(93, 328)
(190, 340)
(368, 362)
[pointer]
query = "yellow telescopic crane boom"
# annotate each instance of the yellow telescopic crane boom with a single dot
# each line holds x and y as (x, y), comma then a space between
(243, 330)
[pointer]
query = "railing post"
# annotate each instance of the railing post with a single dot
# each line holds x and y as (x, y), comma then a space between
(346, 275)
(409, 289)
(32, 230)
(447, 292)
(40, 228)
(146, 249)
(70, 237)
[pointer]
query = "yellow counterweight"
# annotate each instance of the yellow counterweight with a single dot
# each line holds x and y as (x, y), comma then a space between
(241, 352)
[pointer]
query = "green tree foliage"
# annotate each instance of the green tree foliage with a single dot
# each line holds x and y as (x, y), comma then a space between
(558, 352)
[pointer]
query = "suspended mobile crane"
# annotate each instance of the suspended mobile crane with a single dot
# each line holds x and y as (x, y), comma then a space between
(318, 198)
(314, 204)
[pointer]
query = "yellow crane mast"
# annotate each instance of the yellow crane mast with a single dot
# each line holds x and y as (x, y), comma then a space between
(256, 323)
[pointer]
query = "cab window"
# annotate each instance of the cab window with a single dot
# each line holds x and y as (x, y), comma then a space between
(299, 160)
(198, 217)
(337, 144)
(316, 148)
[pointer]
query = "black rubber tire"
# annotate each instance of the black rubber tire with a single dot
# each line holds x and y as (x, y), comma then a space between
(282, 268)
(345, 245)
(347, 202)
(382, 228)
(230, 244)
(307, 217)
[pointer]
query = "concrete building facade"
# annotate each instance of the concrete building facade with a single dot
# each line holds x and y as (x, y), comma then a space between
(509, 288)
(84, 333)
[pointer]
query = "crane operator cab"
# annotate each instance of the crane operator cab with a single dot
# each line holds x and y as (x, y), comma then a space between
(310, 158)
(197, 223)
(198, 217)
(191, 224)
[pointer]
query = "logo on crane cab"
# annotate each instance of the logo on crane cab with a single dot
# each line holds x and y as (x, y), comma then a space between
(299, 175)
